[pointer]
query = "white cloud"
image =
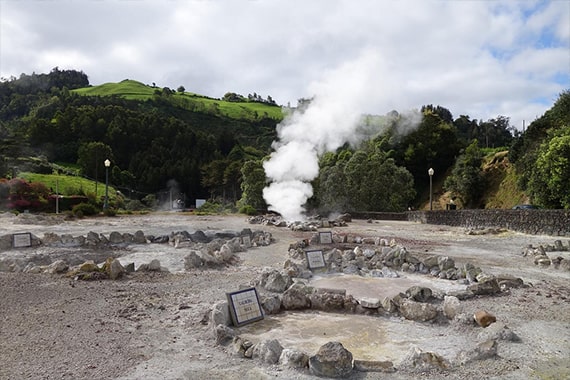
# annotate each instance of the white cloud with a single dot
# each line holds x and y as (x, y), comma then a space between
(480, 58)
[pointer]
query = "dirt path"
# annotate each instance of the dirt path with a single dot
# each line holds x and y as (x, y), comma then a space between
(150, 326)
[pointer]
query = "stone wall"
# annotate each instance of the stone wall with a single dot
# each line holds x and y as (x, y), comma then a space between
(535, 222)
(380, 215)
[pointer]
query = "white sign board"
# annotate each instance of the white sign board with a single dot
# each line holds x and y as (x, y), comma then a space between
(244, 306)
(22, 240)
(315, 259)
(246, 240)
(325, 237)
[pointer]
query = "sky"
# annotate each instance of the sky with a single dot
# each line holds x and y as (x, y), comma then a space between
(480, 58)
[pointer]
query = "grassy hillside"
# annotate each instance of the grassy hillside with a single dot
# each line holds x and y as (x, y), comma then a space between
(69, 185)
(501, 179)
(501, 190)
(134, 90)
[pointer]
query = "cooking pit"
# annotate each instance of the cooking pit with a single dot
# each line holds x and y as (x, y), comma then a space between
(376, 305)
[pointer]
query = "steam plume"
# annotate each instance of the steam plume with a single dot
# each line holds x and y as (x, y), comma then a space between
(330, 121)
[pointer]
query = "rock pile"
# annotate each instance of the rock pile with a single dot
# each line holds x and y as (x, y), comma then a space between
(312, 224)
(206, 249)
(547, 256)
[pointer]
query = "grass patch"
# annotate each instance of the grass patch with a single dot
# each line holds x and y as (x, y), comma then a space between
(68, 185)
(502, 190)
(134, 90)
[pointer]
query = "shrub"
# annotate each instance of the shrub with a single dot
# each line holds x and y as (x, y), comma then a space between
(85, 209)
(135, 205)
(109, 211)
(248, 210)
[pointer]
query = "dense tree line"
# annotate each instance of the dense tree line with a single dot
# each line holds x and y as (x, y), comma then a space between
(149, 143)
(542, 156)
(211, 156)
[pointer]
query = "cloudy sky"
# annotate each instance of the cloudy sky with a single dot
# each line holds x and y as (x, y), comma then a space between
(477, 58)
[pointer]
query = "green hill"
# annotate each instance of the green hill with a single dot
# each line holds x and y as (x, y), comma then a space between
(134, 90)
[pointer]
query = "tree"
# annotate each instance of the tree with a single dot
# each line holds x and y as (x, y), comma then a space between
(181, 89)
(550, 181)
(524, 151)
(495, 132)
(466, 180)
(253, 183)
(433, 144)
(442, 112)
(91, 158)
(367, 179)
(233, 97)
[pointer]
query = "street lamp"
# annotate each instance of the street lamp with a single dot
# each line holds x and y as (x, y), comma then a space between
(430, 172)
(107, 164)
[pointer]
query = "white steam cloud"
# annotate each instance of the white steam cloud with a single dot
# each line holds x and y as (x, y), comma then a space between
(330, 121)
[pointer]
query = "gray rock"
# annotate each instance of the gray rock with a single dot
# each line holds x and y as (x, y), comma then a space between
(92, 239)
(241, 345)
(542, 260)
(376, 273)
(130, 267)
(332, 360)
(483, 350)
(351, 268)
(369, 303)
(431, 261)
(293, 358)
(224, 334)
(418, 311)
(220, 314)
(451, 307)
(461, 294)
(116, 238)
(225, 253)
(199, 237)
(419, 293)
(291, 269)
(507, 281)
(498, 331)
(327, 301)
(389, 273)
(374, 366)
(30, 268)
(235, 244)
(271, 305)
(128, 238)
(268, 351)
(296, 298)
(445, 263)
(58, 266)
(417, 359)
(389, 305)
(485, 288)
(193, 260)
(154, 266)
(114, 269)
(139, 237)
(272, 280)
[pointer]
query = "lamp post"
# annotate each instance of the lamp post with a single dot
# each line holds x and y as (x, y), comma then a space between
(430, 172)
(107, 164)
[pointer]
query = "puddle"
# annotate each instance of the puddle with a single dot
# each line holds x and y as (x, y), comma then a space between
(379, 287)
(366, 337)
(377, 338)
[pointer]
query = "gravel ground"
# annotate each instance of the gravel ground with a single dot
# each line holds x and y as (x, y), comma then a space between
(152, 325)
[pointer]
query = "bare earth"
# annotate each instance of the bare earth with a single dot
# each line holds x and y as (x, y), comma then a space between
(151, 325)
